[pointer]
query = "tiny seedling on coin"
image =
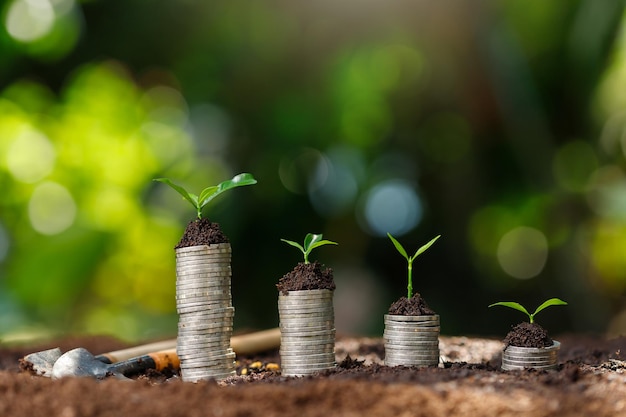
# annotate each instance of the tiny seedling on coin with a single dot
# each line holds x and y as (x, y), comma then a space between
(531, 317)
(410, 259)
(311, 241)
(209, 193)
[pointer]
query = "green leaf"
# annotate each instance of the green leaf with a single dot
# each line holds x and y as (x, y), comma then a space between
(310, 239)
(513, 305)
(548, 303)
(192, 198)
(321, 243)
(398, 247)
(205, 195)
(297, 245)
(239, 180)
(425, 247)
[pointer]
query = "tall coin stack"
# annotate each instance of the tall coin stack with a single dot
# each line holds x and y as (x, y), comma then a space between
(411, 340)
(307, 332)
(515, 357)
(205, 312)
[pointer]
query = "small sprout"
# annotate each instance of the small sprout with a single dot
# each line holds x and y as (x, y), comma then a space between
(410, 259)
(311, 242)
(211, 192)
(531, 317)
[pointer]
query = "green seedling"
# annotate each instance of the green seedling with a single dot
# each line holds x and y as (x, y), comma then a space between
(531, 317)
(311, 242)
(410, 259)
(209, 193)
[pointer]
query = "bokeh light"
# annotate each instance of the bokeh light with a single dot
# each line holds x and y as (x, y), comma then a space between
(30, 157)
(391, 206)
(522, 252)
(51, 209)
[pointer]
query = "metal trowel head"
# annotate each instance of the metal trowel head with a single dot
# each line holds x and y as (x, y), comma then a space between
(79, 362)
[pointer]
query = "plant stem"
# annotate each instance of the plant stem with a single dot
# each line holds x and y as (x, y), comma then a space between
(409, 287)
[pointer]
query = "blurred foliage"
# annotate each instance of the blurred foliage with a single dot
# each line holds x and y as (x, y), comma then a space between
(499, 125)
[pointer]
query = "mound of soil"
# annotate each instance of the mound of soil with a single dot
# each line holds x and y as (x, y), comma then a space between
(202, 232)
(311, 276)
(528, 335)
(590, 380)
(415, 306)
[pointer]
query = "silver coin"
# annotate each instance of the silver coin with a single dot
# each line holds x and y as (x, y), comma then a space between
(207, 316)
(189, 376)
(202, 287)
(307, 326)
(208, 308)
(206, 357)
(418, 364)
(306, 333)
(308, 293)
(393, 317)
(411, 325)
(312, 356)
(298, 301)
(206, 279)
(514, 368)
(190, 302)
(423, 332)
(199, 251)
(424, 355)
(210, 277)
(307, 368)
(527, 364)
(308, 345)
(201, 326)
(215, 311)
(318, 314)
(203, 262)
(182, 296)
(530, 350)
(187, 342)
(401, 344)
(189, 271)
(204, 248)
(204, 283)
(523, 357)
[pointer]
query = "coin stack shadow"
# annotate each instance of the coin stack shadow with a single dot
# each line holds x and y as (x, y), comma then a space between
(411, 340)
(205, 312)
(515, 357)
(307, 332)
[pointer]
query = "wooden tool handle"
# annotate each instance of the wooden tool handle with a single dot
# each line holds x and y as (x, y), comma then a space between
(242, 345)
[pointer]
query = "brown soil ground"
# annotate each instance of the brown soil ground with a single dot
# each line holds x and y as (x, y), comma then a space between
(590, 381)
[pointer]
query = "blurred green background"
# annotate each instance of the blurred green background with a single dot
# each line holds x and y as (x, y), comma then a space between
(500, 125)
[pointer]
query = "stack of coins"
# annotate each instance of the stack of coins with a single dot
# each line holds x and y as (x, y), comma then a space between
(411, 340)
(515, 357)
(205, 312)
(307, 332)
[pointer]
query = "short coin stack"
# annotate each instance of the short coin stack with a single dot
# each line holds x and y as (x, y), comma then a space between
(205, 311)
(307, 328)
(411, 340)
(515, 357)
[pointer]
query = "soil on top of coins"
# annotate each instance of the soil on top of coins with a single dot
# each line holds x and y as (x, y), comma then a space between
(528, 335)
(311, 276)
(202, 232)
(415, 306)
(590, 381)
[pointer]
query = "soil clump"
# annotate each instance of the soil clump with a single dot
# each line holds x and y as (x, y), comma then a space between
(311, 276)
(528, 335)
(415, 306)
(201, 232)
